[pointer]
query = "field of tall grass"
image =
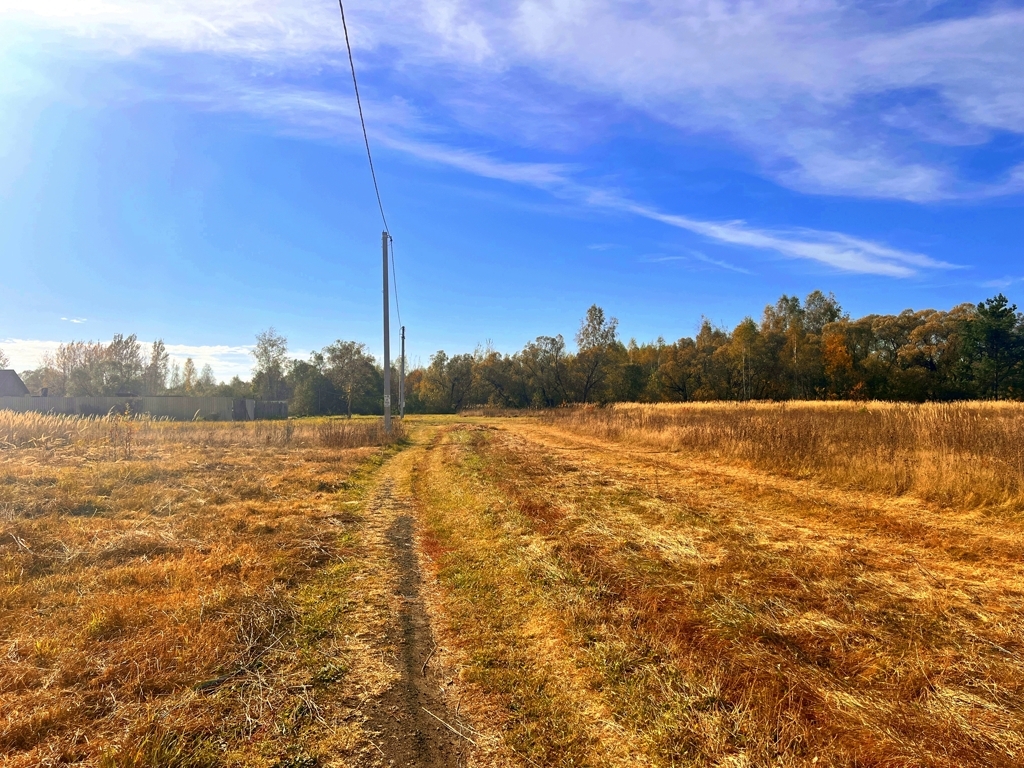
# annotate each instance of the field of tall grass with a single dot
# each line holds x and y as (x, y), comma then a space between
(39, 430)
(797, 584)
(968, 454)
(169, 592)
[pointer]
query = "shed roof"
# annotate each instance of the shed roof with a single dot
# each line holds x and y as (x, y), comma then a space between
(11, 385)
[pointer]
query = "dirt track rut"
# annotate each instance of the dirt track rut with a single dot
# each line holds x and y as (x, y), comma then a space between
(409, 724)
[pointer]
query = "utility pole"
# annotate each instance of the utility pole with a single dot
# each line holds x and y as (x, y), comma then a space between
(384, 237)
(401, 381)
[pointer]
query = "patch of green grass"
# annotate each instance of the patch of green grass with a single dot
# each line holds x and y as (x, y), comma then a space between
(155, 748)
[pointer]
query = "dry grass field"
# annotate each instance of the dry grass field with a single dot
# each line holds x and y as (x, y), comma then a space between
(170, 593)
(951, 453)
(709, 585)
(698, 585)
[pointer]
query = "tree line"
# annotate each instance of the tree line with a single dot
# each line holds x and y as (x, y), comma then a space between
(122, 367)
(808, 349)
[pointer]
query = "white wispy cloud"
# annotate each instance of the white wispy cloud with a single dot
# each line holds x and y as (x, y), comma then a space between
(544, 175)
(816, 92)
(75, 320)
(253, 29)
(834, 249)
(803, 86)
(720, 263)
(1001, 282)
(826, 95)
(698, 256)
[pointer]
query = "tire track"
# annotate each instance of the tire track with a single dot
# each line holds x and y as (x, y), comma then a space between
(409, 724)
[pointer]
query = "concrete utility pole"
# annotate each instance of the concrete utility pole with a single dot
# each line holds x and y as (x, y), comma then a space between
(401, 380)
(387, 339)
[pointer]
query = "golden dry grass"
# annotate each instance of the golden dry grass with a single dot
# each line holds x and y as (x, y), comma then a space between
(636, 586)
(38, 430)
(610, 605)
(953, 453)
(192, 600)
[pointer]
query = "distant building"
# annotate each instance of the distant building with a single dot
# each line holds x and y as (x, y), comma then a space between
(14, 396)
(11, 385)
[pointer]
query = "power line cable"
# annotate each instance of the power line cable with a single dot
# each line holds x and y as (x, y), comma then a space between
(369, 157)
(362, 122)
(394, 278)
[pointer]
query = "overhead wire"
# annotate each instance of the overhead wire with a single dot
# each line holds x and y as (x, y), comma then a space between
(369, 157)
(362, 121)
(394, 279)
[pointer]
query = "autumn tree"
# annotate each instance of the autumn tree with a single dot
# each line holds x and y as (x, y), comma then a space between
(353, 373)
(65, 361)
(189, 376)
(413, 385)
(270, 355)
(313, 393)
(447, 382)
(545, 363)
(819, 311)
(88, 376)
(595, 341)
(174, 377)
(745, 359)
(501, 380)
(158, 368)
(207, 381)
(675, 374)
(710, 365)
(632, 371)
(841, 376)
(124, 365)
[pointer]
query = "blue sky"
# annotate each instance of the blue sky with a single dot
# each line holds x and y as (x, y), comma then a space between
(193, 169)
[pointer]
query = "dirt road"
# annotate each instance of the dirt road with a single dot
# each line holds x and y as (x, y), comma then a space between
(408, 723)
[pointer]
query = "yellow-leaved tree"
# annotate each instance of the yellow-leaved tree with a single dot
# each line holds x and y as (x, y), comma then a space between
(189, 376)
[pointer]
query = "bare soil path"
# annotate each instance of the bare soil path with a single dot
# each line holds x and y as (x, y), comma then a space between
(409, 723)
